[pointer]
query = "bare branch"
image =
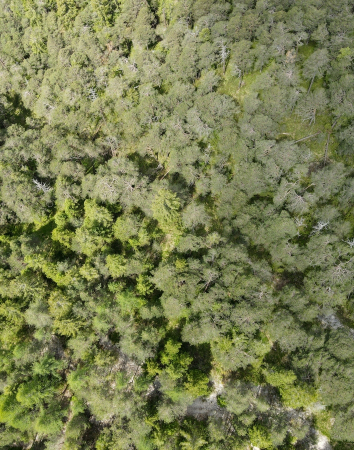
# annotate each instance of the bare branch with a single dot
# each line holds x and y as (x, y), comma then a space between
(41, 186)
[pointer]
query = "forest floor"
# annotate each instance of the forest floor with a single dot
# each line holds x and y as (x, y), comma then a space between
(205, 407)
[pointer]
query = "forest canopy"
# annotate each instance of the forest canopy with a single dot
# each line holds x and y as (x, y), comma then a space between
(176, 224)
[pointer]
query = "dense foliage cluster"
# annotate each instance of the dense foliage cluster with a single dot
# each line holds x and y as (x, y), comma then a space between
(176, 224)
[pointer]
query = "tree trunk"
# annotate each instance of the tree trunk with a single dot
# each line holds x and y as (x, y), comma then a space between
(311, 84)
(307, 137)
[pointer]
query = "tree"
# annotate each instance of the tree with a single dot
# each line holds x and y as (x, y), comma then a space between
(195, 215)
(106, 11)
(192, 442)
(315, 65)
(144, 33)
(66, 11)
(292, 396)
(224, 54)
(238, 352)
(197, 383)
(311, 105)
(259, 437)
(242, 59)
(165, 207)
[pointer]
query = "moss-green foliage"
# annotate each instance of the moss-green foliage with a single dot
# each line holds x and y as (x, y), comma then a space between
(293, 396)
(260, 437)
(165, 210)
(176, 224)
(67, 11)
(105, 10)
